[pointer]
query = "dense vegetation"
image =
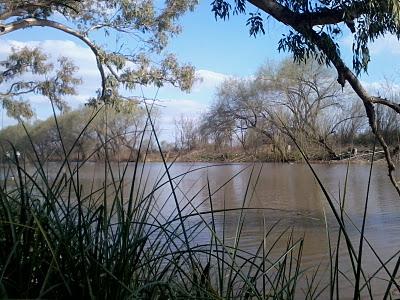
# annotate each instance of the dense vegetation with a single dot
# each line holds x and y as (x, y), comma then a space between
(84, 131)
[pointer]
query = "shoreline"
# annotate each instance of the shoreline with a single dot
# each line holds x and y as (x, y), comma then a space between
(221, 156)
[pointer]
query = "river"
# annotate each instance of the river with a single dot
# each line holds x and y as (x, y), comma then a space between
(282, 196)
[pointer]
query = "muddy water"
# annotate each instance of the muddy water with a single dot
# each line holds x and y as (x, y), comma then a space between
(285, 196)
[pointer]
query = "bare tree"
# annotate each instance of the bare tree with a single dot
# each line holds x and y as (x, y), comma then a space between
(311, 99)
(300, 100)
(186, 133)
(353, 123)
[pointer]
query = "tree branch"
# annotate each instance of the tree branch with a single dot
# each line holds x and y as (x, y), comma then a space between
(309, 19)
(386, 102)
(26, 83)
(34, 22)
(344, 120)
(26, 8)
(12, 13)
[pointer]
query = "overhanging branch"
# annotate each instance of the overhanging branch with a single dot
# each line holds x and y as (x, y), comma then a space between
(34, 22)
(310, 19)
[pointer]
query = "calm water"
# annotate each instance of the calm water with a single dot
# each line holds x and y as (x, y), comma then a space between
(287, 193)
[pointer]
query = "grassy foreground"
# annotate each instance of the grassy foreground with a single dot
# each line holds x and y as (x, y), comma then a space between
(62, 239)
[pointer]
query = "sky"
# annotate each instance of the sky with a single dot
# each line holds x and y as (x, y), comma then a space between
(217, 49)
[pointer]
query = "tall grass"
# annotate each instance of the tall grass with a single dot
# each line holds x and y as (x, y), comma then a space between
(62, 237)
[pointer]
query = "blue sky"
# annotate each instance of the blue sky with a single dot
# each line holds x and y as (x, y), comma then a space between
(217, 49)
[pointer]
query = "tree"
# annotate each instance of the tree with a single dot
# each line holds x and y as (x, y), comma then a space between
(387, 119)
(185, 133)
(298, 100)
(141, 30)
(120, 128)
(28, 71)
(353, 123)
(311, 98)
(217, 127)
(314, 28)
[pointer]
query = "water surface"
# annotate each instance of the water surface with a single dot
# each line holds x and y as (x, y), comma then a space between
(286, 196)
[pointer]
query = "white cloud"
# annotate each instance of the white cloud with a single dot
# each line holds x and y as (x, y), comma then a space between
(85, 60)
(55, 48)
(171, 110)
(175, 103)
(209, 79)
(389, 44)
(382, 88)
(174, 108)
(191, 105)
(82, 57)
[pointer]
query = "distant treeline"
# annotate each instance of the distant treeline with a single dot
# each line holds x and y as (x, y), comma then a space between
(83, 133)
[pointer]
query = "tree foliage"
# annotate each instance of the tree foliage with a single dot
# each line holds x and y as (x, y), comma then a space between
(367, 20)
(139, 31)
(28, 71)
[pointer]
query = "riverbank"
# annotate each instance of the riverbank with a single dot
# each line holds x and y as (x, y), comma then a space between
(207, 156)
(223, 156)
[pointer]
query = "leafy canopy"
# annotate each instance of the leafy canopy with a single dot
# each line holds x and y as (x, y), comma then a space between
(28, 71)
(126, 37)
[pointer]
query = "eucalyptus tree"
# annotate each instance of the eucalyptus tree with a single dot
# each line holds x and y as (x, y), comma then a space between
(27, 71)
(314, 30)
(139, 31)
